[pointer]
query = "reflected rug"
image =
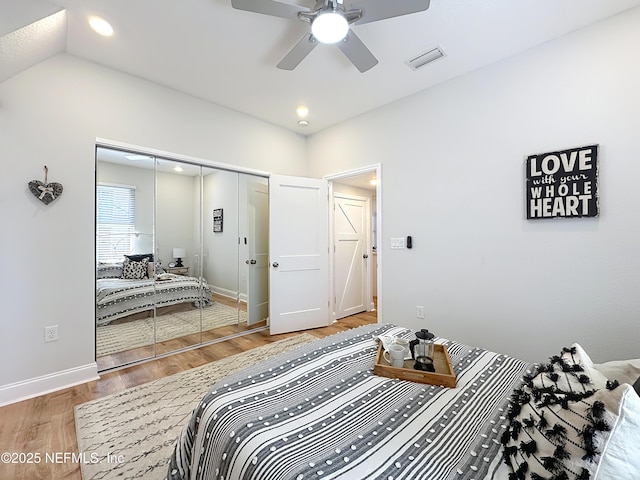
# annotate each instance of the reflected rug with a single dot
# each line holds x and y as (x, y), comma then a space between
(138, 333)
(131, 434)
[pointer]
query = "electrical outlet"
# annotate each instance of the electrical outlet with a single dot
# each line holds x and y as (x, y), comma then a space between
(420, 311)
(51, 333)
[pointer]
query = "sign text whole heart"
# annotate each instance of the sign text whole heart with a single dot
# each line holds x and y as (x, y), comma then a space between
(45, 192)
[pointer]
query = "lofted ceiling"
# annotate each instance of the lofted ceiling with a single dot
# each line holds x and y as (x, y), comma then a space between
(207, 49)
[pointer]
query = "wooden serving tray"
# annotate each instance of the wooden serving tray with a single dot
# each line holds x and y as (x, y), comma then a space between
(444, 374)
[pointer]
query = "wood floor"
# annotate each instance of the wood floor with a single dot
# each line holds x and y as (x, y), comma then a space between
(133, 355)
(45, 425)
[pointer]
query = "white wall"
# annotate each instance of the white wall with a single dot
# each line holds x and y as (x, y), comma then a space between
(177, 209)
(453, 177)
(51, 115)
(221, 248)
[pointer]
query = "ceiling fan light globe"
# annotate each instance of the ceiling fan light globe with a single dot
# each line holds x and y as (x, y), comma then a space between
(329, 27)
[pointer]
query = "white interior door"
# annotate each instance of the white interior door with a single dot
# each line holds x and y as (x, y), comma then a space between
(258, 262)
(351, 257)
(299, 251)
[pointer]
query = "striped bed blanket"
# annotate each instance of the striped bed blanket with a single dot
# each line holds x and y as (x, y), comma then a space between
(118, 298)
(320, 412)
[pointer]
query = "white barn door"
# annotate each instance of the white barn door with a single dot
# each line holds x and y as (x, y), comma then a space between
(299, 253)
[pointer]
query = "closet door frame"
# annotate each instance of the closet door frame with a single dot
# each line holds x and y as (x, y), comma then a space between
(202, 163)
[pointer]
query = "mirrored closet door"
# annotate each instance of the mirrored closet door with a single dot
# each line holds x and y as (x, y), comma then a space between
(220, 247)
(181, 255)
(181, 292)
(125, 326)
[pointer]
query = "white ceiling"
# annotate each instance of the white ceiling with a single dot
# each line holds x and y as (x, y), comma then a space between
(209, 50)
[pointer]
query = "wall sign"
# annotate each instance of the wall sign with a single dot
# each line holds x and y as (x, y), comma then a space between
(563, 184)
(217, 220)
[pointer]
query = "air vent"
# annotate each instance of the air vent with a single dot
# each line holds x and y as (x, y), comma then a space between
(425, 58)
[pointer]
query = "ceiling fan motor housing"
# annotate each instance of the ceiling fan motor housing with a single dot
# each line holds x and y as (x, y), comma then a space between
(330, 23)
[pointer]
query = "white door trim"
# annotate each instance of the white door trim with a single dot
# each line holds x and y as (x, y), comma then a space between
(377, 168)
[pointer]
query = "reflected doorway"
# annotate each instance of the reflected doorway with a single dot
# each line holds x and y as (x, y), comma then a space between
(355, 218)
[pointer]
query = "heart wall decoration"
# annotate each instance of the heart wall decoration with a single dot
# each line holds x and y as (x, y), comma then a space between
(45, 192)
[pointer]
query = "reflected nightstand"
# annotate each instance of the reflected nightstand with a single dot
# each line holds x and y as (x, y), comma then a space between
(177, 270)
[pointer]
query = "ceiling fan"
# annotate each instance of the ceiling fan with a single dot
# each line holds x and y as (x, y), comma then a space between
(330, 23)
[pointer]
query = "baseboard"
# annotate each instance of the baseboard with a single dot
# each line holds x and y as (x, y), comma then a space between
(34, 387)
(225, 292)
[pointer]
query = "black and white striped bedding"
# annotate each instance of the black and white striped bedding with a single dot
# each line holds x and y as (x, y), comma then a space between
(118, 298)
(320, 413)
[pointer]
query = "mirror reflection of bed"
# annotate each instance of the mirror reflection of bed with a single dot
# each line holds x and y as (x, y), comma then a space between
(149, 209)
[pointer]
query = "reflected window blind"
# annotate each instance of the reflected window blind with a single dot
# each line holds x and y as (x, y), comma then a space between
(115, 225)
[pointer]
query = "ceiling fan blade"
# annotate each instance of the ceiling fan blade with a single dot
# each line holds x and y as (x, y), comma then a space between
(298, 52)
(374, 10)
(269, 7)
(357, 52)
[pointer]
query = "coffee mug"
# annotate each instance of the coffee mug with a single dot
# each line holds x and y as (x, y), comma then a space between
(394, 354)
(386, 340)
(405, 343)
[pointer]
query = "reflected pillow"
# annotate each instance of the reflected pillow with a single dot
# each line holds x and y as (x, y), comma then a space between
(132, 270)
(109, 270)
(137, 257)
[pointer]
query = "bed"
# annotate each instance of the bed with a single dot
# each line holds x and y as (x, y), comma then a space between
(320, 413)
(119, 298)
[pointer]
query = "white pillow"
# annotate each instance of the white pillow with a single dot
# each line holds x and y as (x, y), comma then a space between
(620, 457)
(583, 359)
(625, 371)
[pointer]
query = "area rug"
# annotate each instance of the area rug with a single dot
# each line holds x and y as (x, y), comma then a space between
(138, 333)
(131, 434)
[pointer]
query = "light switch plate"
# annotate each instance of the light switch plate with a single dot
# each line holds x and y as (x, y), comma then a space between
(397, 243)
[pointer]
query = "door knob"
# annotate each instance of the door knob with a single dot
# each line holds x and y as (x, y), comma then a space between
(365, 256)
(253, 262)
(275, 264)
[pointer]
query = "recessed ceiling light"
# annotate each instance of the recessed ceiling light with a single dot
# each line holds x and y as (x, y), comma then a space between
(303, 123)
(302, 111)
(101, 26)
(178, 168)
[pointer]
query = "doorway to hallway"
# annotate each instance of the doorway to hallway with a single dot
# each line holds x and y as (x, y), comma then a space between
(354, 235)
